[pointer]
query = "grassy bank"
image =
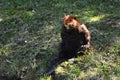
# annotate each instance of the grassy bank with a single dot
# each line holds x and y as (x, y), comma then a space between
(30, 36)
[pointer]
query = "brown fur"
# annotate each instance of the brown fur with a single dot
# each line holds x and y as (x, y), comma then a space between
(75, 37)
(75, 40)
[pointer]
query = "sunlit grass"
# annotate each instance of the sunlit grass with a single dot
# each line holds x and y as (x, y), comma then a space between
(30, 37)
(97, 18)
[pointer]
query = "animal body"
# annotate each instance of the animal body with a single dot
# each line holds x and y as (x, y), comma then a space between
(76, 39)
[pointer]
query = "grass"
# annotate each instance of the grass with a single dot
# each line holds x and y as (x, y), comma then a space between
(30, 36)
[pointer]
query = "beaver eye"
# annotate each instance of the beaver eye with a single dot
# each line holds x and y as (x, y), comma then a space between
(74, 17)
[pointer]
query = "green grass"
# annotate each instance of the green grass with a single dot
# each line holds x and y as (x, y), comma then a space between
(30, 36)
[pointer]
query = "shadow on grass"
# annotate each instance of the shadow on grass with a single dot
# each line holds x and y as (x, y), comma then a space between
(105, 32)
(31, 41)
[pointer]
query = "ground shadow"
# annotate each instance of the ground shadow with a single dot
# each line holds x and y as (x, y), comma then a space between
(31, 40)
